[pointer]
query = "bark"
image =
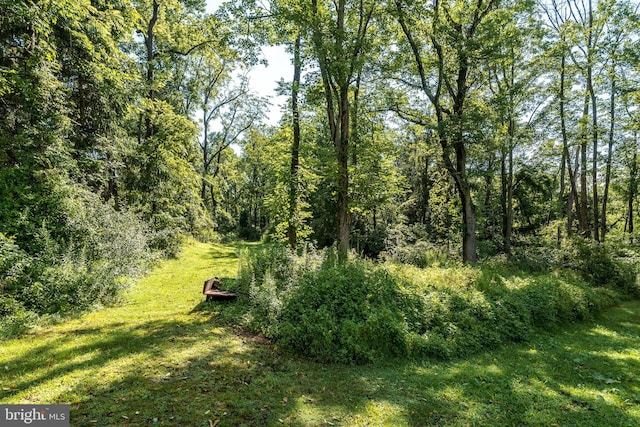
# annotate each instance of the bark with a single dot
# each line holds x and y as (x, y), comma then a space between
(149, 44)
(336, 79)
(573, 195)
(594, 130)
(205, 155)
(594, 159)
(450, 121)
(506, 175)
(565, 165)
(633, 189)
(583, 213)
(607, 179)
(342, 153)
(295, 146)
(425, 217)
(508, 214)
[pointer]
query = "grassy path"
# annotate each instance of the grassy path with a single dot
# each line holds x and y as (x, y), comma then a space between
(161, 360)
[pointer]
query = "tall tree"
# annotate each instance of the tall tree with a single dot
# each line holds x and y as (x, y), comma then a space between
(448, 40)
(339, 34)
(517, 102)
(292, 232)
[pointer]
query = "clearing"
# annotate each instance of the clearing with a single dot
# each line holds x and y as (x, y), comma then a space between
(160, 359)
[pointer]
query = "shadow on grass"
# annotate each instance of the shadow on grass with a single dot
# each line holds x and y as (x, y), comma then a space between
(584, 376)
(192, 373)
(232, 250)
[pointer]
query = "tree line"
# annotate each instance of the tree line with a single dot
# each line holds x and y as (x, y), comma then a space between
(474, 125)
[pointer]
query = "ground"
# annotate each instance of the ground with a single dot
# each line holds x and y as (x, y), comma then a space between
(164, 358)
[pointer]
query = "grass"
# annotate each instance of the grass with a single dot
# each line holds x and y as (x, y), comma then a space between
(165, 359)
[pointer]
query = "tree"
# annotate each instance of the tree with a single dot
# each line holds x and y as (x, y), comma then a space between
(619, 34)
(339, 36)
(448, 41)
(512, 83)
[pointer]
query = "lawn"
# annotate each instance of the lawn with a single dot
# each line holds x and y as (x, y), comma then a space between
(164, 358)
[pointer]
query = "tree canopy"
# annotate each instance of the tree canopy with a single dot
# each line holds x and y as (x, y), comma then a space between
(476, 127)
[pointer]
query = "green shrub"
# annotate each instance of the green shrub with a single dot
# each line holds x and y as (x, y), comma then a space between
(14, 266)
(355, 311)
(81, 260)
(344, 312)
(14, 263)
(410, 245)
(167, 241)
(267, 276)
(598, 264)
(14, 318)
(601, 265)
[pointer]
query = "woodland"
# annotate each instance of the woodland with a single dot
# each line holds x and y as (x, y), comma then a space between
(447, 175)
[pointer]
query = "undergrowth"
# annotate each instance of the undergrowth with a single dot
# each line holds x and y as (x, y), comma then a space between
(356, 311)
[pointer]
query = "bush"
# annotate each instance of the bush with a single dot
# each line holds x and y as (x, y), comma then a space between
(354, 311)
(14, 318)
(14, 263)
(267, 276)
(344, 312)
(82, 260)
(598, 264)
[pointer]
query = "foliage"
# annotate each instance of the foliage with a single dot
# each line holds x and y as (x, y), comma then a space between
(83, 261)
(410, 245)
(601, 266)
(267, 276)
(611, 265)
(354, 311)
(344, 312)
(160, 363)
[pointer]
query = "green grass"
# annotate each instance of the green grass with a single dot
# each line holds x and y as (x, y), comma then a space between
(166, 358)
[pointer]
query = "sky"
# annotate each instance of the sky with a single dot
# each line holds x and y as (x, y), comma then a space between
(263, 79)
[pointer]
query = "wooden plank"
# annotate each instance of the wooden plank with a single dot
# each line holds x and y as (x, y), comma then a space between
(214, 293)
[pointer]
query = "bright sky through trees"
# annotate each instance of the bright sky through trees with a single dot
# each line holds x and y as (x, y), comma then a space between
(263, 79)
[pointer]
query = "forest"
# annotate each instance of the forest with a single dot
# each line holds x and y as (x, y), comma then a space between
(483, 136)
(440, 228)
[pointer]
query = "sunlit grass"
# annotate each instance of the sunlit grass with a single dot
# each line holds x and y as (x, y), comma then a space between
(165, 358)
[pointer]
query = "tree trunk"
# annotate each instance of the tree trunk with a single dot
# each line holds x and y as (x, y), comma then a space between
(583, 213)
(565, 164)
(607, 179)
(295, 146)
(506, 175)
(149, 43)
(633, 188)
(342, 152)
(469, 246)
(425, 217)
(205, 155)
(594, 130)
(594, 159)
(506, 246)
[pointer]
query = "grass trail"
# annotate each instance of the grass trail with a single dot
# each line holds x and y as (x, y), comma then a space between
(161, 360)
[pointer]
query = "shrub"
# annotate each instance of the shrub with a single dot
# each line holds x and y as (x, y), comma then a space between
(14, 318)
(601, 265)
(81, 260)
(354, 311)
(409, 245)
(14, 263)
(344, 312)
(598, 264)
(267, 276)
(422, 254)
